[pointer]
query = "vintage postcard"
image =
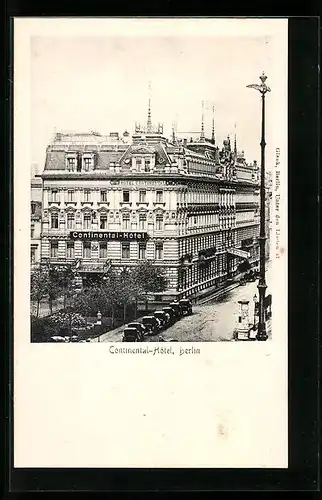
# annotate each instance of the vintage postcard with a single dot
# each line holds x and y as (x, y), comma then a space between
(150, 245)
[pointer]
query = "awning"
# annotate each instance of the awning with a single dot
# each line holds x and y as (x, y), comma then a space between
(238, 253)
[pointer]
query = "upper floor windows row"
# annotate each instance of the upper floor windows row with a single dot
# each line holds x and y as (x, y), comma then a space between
(55, 196)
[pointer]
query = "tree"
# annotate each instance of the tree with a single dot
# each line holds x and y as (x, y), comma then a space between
(149, 279)
(68, 320)
(91, 300)
(63, 278)
(39, 285)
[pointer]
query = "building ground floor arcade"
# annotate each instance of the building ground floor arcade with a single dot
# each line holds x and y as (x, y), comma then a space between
(192, 263)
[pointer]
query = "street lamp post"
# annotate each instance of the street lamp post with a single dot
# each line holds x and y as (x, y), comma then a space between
(255, 302)
(261, 333)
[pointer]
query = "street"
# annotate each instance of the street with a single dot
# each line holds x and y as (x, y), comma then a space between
(214, 321)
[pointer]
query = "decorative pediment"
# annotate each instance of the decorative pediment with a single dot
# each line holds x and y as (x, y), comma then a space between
(142, 210)
(159, 210)
(142, 148)
(70, 209)
(87, 210)
(103, 210)
(53, 209)
(125, 210)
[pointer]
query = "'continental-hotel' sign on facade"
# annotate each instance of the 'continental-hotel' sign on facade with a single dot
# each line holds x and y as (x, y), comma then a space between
(107, 235)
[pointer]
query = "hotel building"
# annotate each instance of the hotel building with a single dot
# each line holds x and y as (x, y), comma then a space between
(187, 205)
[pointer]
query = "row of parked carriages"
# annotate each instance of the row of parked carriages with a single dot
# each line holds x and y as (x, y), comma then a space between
(155, 323)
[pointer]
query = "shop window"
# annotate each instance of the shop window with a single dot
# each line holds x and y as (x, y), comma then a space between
(54, 249)
(125, 250)
(86, 249)
(103, 250)
(142, 251)
(159, 251)
(70, 250)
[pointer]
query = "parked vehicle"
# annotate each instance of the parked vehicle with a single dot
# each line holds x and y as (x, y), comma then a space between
(131, 335)
(172, 314)
(164, 317)
(57, 338)
(140, 328)
(152, 324)
(176, 307)
(186, 307)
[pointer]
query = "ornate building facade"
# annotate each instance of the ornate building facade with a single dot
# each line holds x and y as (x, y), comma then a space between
(191, 207)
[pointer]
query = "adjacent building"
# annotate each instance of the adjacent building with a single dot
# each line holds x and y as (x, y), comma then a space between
(189, 206)
(35, 216)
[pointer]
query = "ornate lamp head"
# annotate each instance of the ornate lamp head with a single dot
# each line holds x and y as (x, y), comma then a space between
(263, 88)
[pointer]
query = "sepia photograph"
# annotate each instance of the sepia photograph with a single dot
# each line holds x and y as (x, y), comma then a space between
(151, 202)
(150, 255)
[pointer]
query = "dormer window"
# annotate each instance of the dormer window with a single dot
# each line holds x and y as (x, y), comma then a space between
(71, 163)
(87, 163)
(147, 166)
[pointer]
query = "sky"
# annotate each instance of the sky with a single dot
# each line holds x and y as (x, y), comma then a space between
(87, 83)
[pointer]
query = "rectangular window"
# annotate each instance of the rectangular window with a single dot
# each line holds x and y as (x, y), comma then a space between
(33, 208)
(87, 162)
(159, 196)
(70, 195)
(103, 250)
(142, 222)
(54, 195)
(103, 221)
(159, 251)
(71, 164)
(104, 195)
(87, 250)
(126, 222)
(54, 221)
(70, 251)
(32, 231)
(159, 223)
(87, 222)
(87, 195)
(125, 250)
(70, 221)
(142, 196)
(32, 255)
(142, 251)
(138, 163)
(126, 196)
(147, 166)
(54, 249)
